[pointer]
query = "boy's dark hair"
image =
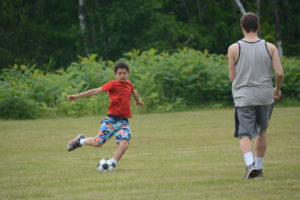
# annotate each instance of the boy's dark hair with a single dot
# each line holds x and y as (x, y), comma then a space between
(250, 22)
(121, 65)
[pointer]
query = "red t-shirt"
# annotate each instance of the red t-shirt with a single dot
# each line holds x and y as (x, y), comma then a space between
(119, 97)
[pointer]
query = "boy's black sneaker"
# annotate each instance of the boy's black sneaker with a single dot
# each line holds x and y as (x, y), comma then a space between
(251, 172)
(73, 144)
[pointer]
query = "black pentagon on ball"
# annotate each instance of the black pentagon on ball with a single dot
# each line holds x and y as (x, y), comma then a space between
(105, 166)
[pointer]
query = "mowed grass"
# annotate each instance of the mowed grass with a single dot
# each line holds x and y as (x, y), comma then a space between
(172, 156)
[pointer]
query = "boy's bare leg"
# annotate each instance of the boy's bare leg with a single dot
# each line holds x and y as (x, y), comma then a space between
(122, 147)
(92, 142)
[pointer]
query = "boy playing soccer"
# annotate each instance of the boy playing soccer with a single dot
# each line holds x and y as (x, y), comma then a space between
(116, 121)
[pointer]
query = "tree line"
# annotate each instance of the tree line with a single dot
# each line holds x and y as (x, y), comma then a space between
(52, 34)
(185, 79)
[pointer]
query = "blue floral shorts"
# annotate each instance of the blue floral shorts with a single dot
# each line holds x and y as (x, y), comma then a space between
(113, 126)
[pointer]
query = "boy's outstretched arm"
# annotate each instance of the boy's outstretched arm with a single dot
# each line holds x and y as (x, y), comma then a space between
(87, 93)
(138, 102)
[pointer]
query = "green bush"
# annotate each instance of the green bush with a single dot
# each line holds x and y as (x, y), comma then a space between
(16, 100)
(165, 82)
(291, 86)
(185, 78)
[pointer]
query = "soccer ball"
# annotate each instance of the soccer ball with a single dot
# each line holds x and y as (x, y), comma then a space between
(106, 165)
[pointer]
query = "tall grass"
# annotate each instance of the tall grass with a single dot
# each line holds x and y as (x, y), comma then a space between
(177, 156)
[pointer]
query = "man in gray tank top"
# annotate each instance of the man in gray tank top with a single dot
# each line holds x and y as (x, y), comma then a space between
(251, 63)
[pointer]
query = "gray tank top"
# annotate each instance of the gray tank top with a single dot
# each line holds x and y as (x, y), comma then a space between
(253, 75)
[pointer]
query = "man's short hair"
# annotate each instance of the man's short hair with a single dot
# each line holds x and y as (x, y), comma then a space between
(250, 22)
(121, 65)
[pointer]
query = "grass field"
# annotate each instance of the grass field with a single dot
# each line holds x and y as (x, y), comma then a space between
(173, 156)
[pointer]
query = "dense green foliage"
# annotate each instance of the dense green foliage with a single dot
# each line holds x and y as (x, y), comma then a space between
(165, 82)
(47, 33)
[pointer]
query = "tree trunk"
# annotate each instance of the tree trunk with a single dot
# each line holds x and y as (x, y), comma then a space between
(277, 25)
(200, 10)
(187, 10)
(258, 14)
(258, 7)
(240, 6)
(83, 26)
(104, 40)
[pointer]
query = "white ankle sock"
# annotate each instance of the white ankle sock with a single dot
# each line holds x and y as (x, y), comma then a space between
(82, 141)
(248, 157)
(258, 162)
